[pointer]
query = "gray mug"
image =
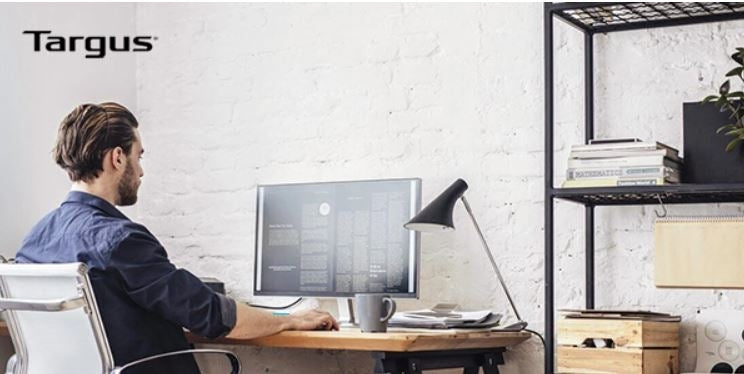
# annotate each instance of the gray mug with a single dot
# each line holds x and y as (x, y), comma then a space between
(374, 311)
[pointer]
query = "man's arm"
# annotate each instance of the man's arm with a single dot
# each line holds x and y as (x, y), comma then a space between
(254, 323)
(154, 283)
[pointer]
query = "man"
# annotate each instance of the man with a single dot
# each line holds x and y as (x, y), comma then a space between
(144, 300)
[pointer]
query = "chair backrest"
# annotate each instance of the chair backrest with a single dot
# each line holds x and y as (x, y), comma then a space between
(53, 319)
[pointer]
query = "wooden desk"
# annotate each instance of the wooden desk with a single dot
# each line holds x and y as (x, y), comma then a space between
(392, 341)
(400, 351)
(397, 351)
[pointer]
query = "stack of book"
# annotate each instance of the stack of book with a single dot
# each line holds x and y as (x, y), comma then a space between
(622, 162)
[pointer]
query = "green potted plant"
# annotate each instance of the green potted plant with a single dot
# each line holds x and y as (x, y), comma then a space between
(731, 102)
(713, 131)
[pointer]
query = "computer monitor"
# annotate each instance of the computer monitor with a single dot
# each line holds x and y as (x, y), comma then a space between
(337, 239)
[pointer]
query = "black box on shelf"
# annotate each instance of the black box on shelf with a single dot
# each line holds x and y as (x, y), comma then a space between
(704, 151)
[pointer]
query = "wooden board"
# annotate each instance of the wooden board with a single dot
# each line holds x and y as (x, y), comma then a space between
(617, 361)
(392, 341)
(624, 333)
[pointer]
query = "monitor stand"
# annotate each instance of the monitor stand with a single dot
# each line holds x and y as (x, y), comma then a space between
(345, 312)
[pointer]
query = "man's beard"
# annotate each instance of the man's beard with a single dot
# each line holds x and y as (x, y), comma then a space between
(128, 187)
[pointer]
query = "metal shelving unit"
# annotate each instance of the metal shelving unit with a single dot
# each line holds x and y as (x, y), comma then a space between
(669, 194)
(590, 19)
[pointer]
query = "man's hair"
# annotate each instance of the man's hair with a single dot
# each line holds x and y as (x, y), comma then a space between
(87, 133)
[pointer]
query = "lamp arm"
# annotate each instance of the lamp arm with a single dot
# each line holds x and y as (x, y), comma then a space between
(490, 256)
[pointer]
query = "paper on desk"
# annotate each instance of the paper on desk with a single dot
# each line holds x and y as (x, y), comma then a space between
(429, 319)
(460, 316)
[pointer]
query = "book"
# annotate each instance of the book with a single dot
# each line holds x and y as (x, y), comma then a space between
(619, 314)
(616, 162)
(631, 171)
(614, 140)
(624, 153)
(614, 182)
(625, 145)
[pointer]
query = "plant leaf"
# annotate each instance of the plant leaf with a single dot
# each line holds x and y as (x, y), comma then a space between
(724, 88)
(737, 132)
(721, 102)
(709, 98)
(735, 72)
(725, 127)
(732, 144)
(738, 94)
(738, 57)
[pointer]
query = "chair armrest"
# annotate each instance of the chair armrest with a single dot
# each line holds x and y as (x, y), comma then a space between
(50, 305)
(10, 366)
(234, 361)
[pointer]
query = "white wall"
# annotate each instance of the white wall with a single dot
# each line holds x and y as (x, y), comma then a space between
(38, 90)
(247, 94)
(243, 94)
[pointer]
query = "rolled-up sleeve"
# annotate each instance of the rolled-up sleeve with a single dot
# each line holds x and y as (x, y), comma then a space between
(155, 284)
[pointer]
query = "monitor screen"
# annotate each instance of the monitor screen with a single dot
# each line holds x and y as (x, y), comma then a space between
(337, 239)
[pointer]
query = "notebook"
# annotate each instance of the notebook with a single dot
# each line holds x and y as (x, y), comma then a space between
(700, 252)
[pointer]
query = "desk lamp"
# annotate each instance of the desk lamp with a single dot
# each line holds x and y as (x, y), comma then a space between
(437, 216)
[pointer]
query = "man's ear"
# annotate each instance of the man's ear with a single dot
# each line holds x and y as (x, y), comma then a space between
(118, 158)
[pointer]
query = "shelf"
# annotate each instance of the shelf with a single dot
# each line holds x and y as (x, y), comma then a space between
(670, 194)
(609, 17)
(590, 19)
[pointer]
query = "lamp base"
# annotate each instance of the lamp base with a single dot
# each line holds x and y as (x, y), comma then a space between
(345, 312)
(516, 326)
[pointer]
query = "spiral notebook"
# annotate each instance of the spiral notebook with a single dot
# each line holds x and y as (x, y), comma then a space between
(700, 252)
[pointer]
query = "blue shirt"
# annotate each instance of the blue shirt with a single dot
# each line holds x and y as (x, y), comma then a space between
(144, 300)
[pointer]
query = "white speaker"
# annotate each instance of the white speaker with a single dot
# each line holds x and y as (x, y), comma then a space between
(720, 341)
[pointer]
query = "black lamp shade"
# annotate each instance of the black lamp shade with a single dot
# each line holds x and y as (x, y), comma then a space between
(437, 215)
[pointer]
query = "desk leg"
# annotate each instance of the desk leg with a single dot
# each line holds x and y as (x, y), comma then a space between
(379, 367)
(491, 363)
(414, 366)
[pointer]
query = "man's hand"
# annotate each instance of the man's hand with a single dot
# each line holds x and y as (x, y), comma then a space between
(254, 323)
(313, 320)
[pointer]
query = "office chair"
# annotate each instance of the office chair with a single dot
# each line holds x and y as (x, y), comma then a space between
(55, 324)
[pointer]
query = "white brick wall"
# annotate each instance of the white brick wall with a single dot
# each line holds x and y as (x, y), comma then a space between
(235, 95)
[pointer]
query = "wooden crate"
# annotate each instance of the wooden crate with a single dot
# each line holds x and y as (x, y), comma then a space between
(625, 333)
(618, 360)
(640, 347)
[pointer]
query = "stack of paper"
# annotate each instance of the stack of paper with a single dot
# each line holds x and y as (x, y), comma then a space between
(430, 319)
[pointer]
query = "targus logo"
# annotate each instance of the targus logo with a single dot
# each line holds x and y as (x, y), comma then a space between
(95, 46)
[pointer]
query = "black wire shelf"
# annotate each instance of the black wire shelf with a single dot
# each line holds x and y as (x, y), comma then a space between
(608, 17)
(593, 18)
(669, 194)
